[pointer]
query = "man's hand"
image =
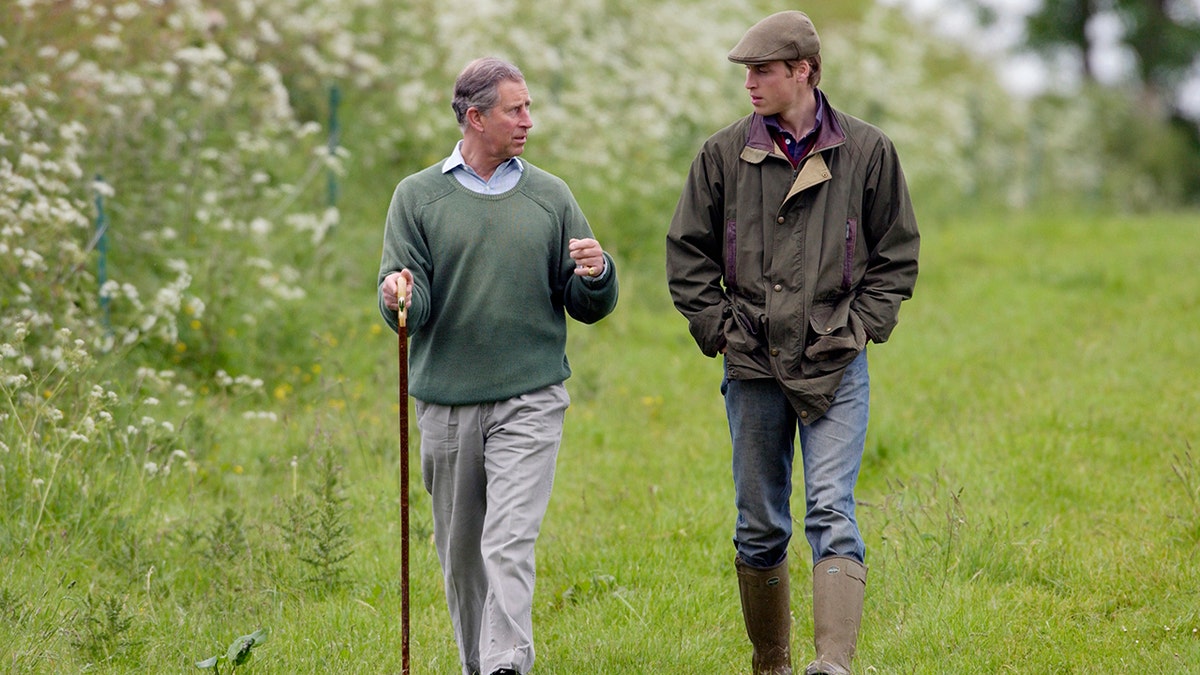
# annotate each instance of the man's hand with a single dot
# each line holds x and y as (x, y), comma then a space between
(389, 288)
(588, 257)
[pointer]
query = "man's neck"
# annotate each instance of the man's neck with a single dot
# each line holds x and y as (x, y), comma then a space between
(479, 161)
(800, 119)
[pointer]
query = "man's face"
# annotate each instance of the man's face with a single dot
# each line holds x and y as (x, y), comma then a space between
(506, 126)
(773, 89)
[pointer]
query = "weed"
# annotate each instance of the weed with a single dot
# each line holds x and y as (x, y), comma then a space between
(926, 518)
(11, 606)
(100, 628)
(1187, 470)
(227, 538)
(316, 530)
(597, 585)
(238, 653)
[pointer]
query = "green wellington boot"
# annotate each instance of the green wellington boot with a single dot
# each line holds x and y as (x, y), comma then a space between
(766, 607)
(838, 588)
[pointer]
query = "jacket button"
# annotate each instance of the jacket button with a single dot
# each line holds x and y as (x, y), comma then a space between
(774, 351)
(778, 288)
(779, 220)
(804, 414)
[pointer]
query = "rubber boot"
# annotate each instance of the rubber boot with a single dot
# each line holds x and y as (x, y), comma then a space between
(766, 607)
(838, 587)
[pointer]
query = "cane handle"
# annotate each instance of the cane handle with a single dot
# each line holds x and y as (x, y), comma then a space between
(401, 295)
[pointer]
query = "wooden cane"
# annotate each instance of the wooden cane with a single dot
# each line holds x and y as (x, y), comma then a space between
(402, 315)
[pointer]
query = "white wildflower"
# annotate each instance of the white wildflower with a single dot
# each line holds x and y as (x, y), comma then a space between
(108, 43)
(267, 33)
(127, 11)
(251, 382)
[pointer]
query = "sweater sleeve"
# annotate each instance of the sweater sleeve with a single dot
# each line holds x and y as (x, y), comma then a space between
(585, 301)
(404, 247)
(588, 302)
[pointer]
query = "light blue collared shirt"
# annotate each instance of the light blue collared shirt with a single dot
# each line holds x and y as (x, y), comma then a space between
(503, 179)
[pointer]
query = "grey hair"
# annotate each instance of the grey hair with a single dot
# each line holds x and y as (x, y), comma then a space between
(477, 86)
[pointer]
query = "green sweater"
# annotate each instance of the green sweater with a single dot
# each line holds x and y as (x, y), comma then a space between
(492, 284)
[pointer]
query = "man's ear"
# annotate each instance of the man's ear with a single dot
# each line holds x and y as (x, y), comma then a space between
(475, 118)
(803, 70)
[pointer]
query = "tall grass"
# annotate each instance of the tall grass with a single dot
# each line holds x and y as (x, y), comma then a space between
(1028, 495)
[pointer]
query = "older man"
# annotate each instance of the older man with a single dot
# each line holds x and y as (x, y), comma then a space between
(495, 253)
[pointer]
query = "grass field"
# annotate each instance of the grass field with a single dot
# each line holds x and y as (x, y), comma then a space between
(1030, 494)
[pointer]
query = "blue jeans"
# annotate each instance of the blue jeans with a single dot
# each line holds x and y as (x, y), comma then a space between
(762, 425)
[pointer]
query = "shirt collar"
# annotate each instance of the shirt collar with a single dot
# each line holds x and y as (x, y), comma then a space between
(456, 161)
(773, 121)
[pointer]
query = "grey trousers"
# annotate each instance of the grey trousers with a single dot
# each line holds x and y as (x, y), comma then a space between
(489, 469)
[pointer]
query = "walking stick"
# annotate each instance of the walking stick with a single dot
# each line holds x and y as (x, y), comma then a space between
(402, 315)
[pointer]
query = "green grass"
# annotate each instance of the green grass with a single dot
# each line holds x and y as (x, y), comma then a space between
(1042, 377)
(1030, 493)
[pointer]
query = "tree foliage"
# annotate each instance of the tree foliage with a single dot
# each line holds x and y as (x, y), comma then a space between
(1162, 35)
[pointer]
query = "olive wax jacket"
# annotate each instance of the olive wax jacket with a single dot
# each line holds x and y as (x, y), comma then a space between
(792, 271)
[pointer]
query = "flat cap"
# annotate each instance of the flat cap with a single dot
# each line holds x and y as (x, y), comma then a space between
(785, 36)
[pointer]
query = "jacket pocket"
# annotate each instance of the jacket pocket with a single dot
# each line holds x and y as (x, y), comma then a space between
(836, 335)
(848, 258)
(730, 253)
(743, 333)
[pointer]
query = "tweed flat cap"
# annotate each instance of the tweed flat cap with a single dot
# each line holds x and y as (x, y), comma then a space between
(785, 36)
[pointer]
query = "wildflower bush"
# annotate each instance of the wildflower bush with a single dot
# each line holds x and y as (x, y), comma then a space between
(186, 145)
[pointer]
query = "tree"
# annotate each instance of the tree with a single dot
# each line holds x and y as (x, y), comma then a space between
(1163, 35)
(1063, 23)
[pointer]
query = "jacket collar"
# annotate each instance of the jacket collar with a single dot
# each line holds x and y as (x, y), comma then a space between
(759, 143)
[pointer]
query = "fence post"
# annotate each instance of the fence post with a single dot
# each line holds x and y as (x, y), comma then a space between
(335, 98)
(102, 249)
